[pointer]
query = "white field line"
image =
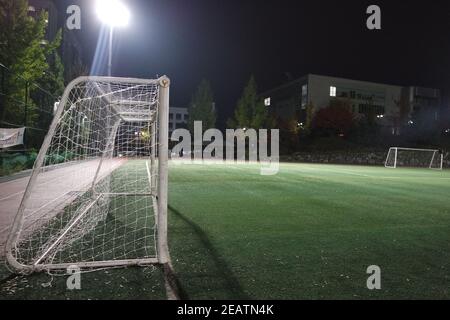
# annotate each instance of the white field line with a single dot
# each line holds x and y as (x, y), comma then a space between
(337, 171)
(4, 229)
(14, 180)
(12, 195)
(413, 177)
(343, 171)
(149, 176)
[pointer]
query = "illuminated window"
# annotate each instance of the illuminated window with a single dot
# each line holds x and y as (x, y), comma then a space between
(304, 90)
(267, 102)
(304, 96)
(332, 91)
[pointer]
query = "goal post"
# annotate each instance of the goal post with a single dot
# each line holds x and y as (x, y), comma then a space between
(412, 157)
(97, 194)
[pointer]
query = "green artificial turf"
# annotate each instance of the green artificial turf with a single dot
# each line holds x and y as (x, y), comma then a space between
(309, 232)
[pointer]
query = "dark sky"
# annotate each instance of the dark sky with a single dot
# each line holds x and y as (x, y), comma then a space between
(228, 40)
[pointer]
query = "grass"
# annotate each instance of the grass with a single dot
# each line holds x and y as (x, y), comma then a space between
(309, 232)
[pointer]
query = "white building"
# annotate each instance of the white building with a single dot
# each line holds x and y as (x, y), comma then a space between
(178, 118)
(365, 98)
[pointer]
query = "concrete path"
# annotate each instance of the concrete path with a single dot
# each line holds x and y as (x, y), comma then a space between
(53, 189)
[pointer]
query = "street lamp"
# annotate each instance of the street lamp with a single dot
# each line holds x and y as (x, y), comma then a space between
(112, 13)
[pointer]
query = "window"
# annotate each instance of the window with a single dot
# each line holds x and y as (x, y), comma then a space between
(186, 117)
(304, 90)
(332, 91)
(304, 96)
(267, 102)
(171, 116)
(371, 109)
(178, 116)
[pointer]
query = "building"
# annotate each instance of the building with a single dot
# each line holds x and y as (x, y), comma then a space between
(424, 102)
(178, 118)
(71, 55)
(365, 98)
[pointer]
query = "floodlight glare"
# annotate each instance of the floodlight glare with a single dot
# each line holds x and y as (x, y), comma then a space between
(113, 13)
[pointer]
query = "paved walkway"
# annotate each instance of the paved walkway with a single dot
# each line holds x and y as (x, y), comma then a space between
(53, 189)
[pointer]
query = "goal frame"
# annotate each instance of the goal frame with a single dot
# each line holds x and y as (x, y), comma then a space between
(436, 152)
(160, 199)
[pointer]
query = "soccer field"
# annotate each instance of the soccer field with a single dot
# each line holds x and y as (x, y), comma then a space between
(309, 232)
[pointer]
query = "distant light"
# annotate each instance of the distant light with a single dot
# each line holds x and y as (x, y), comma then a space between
(267, 102)
(245, 129)
(380, 116)
(300, 124)
(332, 91)
(410, 122)
(136, 133)
(113, 13)
(447, 130)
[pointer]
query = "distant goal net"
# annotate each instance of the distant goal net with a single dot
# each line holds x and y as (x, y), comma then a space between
(97, 195)
(414, 158)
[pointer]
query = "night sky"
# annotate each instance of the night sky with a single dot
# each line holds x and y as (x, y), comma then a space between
(226, 41)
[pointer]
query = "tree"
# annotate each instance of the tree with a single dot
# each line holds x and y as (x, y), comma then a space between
(52, 81)
(289, 134)
(29, 58)
(310, 109)
(404, 109)
(371, 113)
(250, 111)
(336, 118)
(202, 107)
(402, 113)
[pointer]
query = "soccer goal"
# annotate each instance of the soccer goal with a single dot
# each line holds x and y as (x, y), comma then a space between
(419, 158)
(97, 195)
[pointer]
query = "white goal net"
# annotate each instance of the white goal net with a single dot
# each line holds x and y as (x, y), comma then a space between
(97, 196)
(414, 158)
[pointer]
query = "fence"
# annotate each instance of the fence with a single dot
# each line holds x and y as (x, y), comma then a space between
(26, 104)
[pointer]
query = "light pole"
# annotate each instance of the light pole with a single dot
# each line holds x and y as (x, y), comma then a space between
(112, 13)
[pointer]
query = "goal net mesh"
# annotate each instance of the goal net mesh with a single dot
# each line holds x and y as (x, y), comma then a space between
(92, 200)
(414, 158)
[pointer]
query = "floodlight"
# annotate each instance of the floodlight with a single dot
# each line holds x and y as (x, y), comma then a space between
(113, 13)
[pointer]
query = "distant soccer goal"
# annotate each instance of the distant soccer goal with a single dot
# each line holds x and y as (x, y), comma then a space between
(416, 158)
(97, 195)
